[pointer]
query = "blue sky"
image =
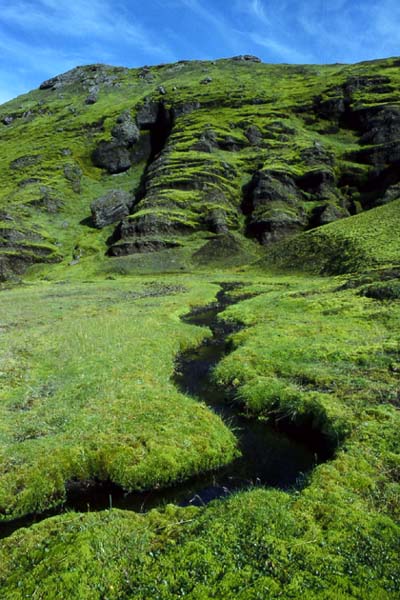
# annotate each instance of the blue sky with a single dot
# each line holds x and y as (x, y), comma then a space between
(41, 38)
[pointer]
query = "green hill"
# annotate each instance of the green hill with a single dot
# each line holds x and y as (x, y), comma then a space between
(181, 156)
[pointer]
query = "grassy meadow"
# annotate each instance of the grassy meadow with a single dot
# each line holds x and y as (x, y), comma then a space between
(95, 399)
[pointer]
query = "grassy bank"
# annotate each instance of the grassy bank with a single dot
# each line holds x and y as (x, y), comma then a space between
(86, 390)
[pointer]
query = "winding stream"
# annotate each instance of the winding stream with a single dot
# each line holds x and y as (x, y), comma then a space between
(269, 456)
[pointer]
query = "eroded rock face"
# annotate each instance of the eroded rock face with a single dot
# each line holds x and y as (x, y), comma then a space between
(247, 58)
(88, 77)
(134, 140)
(217, 221)
(254, 135)
(207, 142)
(141, 246)
(274, 206)
(110, 208)
(151, 225)
(21, 247)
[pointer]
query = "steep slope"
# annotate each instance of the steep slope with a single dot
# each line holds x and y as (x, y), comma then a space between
(193, 157)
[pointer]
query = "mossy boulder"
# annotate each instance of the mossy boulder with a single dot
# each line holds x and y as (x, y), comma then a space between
(113, 156)
(112, 207)
(126, 131)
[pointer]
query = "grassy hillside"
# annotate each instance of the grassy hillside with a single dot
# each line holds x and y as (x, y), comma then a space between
(365, 241)
(199, 151)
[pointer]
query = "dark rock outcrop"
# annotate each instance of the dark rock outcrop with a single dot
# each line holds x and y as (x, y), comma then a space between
(328, 213)
(49, 84)
(110, 208)
(254, 135)
(147, 115)
(112, 156)
(134, 140)
(126, 131)
(273, 205)
(92, 98)
(380, 126)
(217, 221)
(246, 58)
(115, 155)
(207, 142)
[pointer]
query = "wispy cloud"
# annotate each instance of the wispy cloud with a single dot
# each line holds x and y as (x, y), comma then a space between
(315, 31)
(286, 53)
(265, 26)
(98, 19)
(47, 37)
(257, 9)
(218, 21)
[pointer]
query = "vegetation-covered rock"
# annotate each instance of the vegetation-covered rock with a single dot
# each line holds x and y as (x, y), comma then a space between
(111, 207)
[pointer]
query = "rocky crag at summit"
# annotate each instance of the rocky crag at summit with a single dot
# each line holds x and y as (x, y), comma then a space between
(198, 157)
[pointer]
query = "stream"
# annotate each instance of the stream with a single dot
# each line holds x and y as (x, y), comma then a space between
(271, 454)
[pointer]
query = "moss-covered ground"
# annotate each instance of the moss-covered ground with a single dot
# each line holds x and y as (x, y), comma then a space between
(86, 392)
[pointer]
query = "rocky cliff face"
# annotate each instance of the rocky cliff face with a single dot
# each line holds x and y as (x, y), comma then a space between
(119, 161)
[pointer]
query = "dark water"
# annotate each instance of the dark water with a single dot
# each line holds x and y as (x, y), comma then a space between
(270, 457)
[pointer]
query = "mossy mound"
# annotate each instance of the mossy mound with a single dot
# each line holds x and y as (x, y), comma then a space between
(358, 243)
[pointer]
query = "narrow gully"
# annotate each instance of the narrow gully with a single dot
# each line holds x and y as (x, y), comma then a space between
(270, 456)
